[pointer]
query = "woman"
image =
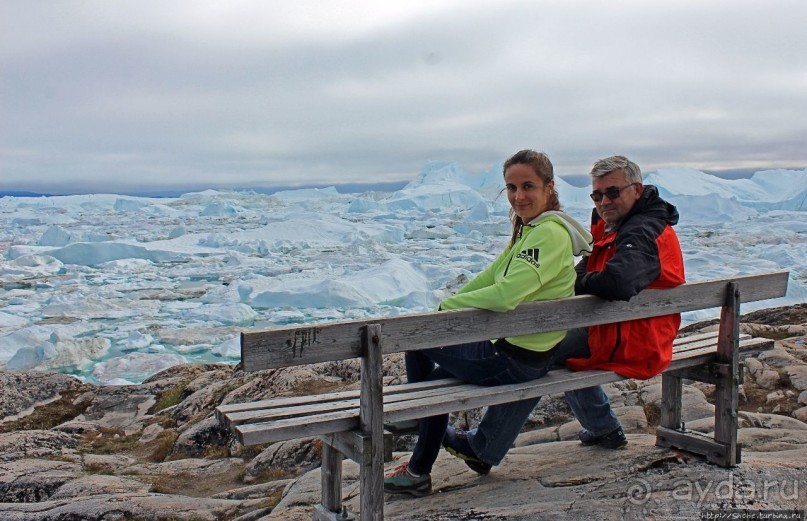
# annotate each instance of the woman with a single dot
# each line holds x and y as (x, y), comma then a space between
(538, 264)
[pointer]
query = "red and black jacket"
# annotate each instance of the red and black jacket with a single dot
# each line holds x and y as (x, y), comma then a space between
(642, 252)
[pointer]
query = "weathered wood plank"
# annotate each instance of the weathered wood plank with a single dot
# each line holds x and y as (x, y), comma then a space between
(331, 479)
(265, 410)
(238, 413)
(411, 406)
(671, 393)
(726, 395)
(371, 420)
(312, 399)
(694, 442)
(557, 381)
(352, 444)
(291, 428)
(337, 341)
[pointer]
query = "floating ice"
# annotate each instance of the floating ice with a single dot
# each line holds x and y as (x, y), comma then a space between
(133, 366)
(55, 236)
(229, 349)
(114, 288)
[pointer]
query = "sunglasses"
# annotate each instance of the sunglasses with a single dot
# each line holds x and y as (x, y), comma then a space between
(612, 192)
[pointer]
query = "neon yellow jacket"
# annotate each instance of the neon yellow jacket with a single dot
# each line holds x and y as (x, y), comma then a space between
(539, 266)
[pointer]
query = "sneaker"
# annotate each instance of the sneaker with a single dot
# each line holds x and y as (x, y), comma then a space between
(456, 443)
(403, 427)
(401, 481)
(613, 440)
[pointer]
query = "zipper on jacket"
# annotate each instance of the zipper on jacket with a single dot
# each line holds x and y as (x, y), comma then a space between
(518, 242)
(618, 341)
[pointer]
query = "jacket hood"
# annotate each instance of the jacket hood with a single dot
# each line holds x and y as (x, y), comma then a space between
(650, 205)
(581, 238)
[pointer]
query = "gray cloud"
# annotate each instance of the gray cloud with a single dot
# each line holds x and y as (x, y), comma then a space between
(257, 93)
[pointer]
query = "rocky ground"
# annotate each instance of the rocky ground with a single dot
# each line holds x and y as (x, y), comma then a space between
(72, 451)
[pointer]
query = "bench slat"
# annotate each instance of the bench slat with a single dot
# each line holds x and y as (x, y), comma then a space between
(272, 409)
(236, 414)
(442, 400)
(338, 341)
(225, 413)
(256, 433)
(557, 381)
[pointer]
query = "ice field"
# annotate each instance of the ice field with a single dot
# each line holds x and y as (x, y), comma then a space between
(115, 288)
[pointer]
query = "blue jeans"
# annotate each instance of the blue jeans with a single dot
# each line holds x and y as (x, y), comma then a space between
(478, 363)
(502, 423)
(589, 405)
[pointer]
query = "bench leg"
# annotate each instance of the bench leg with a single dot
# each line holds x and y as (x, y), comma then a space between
(671, 393)
(724, 373)
(331, 508)
(726, 397)
(371, 420)
(331, 479)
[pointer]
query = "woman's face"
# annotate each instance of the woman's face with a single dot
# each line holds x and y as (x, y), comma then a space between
(527, 193)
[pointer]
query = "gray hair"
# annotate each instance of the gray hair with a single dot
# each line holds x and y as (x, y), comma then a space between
(611, 164)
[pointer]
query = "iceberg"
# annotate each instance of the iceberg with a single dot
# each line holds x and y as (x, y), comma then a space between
(114, 288)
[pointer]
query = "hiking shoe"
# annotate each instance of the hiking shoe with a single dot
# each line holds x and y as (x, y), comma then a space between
(401, 481)
(403, 427)
(456, 443)
(613, 440)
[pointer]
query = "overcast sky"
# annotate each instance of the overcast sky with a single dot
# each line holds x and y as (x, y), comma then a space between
(143, 93)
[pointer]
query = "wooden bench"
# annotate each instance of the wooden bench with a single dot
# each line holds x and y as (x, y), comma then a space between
(350, 423)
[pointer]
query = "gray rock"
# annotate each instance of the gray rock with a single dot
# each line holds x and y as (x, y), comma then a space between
(78, 427)
(798, 376)
(769, 331)
(181, 374)
(694, 405)
(771, 440)
(155, 507)
(778, 357)
(566, 481)
(203, 395)
(93, 485)
(33, 480)
(121, 407)
(800, 414)
(769, 421)
(107, 462)
(285, 456)
(199, 438)
(36, 444)
(272, 382)
(633, 418)
(259, 491)
(568, 431)
(150, 433)
(190, 468)
(701, 425)
(546, 435)
(753, 366)
(22, 391)
(768, 379)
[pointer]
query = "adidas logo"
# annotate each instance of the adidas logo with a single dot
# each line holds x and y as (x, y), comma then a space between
(530, 256)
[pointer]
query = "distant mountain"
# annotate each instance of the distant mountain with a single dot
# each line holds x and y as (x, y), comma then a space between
(18, 193)
(344, 188)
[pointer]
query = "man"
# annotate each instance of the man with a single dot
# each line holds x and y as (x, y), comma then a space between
(635, 247)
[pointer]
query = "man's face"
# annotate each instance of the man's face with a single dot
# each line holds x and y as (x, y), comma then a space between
(612, 210)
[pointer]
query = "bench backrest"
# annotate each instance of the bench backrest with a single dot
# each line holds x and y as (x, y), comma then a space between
(308, 344)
